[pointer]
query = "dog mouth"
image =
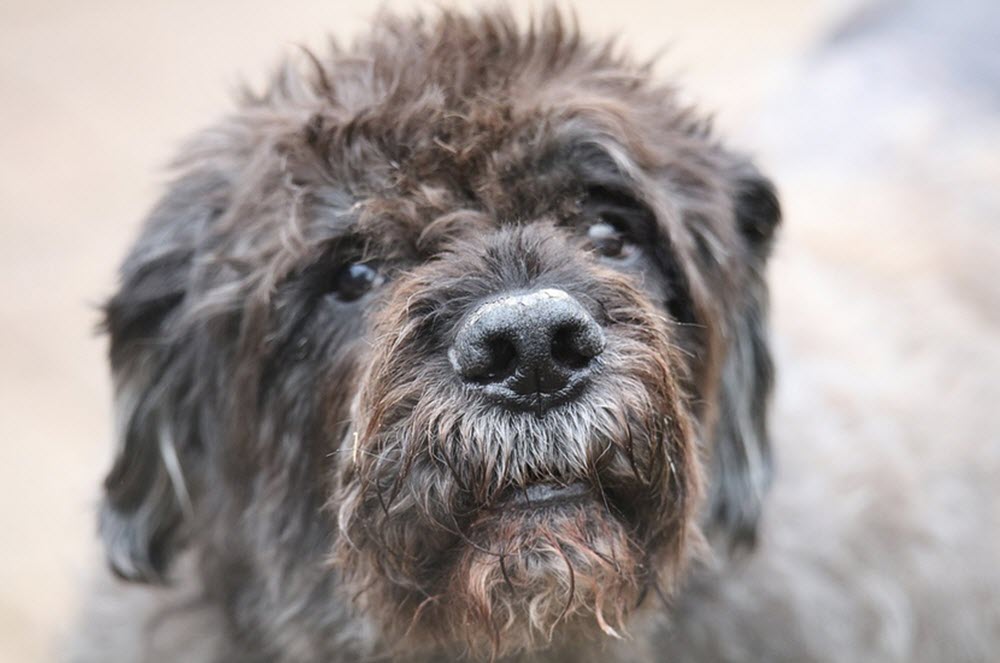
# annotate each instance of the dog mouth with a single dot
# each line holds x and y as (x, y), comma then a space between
(545, 496)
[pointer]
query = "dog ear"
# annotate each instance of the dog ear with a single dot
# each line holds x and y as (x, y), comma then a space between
(757, 209)
(742, 463)
(148, 492)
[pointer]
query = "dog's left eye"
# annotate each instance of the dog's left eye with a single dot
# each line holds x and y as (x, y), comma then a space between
(353, 281)
(609, 241)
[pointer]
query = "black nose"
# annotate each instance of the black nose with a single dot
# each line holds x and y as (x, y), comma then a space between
(531, 350)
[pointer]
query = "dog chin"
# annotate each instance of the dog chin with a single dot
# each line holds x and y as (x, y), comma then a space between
(545, 563)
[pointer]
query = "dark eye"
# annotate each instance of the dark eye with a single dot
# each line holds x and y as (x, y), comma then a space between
(608, 241)
(355, 280)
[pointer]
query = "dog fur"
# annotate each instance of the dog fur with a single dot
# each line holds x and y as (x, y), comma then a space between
(301, 478)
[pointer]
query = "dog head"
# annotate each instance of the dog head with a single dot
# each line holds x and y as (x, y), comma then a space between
(438, 335)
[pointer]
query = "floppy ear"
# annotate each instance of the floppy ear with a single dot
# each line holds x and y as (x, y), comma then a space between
(149, 490)
(757, 210)
(741, 453)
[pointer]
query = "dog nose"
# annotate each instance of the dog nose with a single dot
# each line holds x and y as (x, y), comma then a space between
(532, 349)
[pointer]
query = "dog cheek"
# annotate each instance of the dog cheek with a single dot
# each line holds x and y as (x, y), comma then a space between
(394, 512)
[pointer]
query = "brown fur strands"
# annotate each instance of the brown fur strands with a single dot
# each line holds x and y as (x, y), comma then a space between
(338, 491)
(424, 462)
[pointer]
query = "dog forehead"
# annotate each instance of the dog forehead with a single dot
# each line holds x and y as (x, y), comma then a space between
(423, 192)
(422, 148)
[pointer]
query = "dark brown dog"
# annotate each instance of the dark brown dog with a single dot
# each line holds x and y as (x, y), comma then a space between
(426, 352)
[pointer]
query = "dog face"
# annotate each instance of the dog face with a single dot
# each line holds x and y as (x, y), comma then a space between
(438, 338)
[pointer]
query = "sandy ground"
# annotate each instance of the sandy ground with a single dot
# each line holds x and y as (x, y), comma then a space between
(94, 97)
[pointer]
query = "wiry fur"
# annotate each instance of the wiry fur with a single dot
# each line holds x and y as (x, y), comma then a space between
(427, 462)
(331, 483)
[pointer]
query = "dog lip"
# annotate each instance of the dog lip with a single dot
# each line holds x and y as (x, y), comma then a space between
(547, 494)
(503, 395)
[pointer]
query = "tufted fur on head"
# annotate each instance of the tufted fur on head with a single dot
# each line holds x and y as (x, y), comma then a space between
(340, 492)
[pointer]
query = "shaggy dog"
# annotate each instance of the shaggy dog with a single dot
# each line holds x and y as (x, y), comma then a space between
(449, 347)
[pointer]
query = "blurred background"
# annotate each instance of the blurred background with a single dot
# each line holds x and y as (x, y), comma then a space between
(879, 120)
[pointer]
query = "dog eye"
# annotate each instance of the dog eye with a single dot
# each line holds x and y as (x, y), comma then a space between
(608, 241)
(353, 281)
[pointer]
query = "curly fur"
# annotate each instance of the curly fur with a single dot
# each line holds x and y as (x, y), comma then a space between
(309, 478)
(427, 465)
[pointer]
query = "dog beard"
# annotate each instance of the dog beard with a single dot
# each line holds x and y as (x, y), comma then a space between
(440, 516)
(530, 568)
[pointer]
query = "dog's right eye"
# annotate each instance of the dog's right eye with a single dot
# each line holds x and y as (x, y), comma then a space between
(355, 280)
(608, 241)
(619, 223)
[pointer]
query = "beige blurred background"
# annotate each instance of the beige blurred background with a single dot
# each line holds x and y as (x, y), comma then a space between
(886, 151)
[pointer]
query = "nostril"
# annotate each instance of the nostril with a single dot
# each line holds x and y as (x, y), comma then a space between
(502, 359)
(566, 349)
(575, 343)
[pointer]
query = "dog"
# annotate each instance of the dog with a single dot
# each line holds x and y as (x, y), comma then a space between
(453, 346)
